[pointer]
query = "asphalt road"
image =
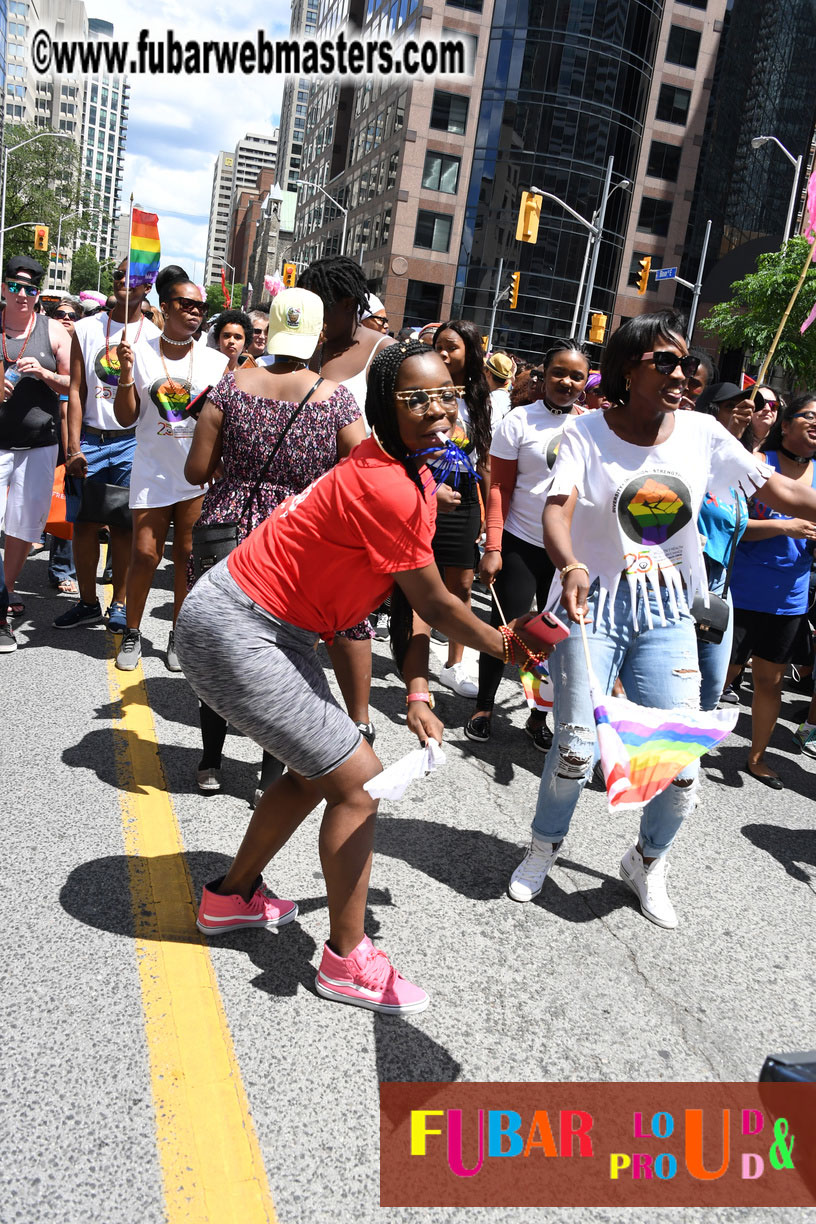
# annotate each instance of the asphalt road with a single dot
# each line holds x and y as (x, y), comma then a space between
(575, 986)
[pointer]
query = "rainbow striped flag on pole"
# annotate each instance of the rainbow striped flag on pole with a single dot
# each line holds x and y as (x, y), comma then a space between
(145, 248)
(537, 687)
(643, 749)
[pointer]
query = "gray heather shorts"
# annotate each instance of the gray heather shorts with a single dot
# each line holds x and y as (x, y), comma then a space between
(262, 675)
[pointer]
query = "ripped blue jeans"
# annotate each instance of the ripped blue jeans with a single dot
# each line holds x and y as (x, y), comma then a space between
(658, 667)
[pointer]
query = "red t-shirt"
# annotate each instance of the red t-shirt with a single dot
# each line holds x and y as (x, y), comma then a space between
(325, 558)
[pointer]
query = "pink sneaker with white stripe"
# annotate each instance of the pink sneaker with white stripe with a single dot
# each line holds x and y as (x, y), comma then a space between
(367, 978)
(218, 914)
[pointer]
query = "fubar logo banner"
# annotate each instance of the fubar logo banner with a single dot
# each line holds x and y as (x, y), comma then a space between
(598, 1145)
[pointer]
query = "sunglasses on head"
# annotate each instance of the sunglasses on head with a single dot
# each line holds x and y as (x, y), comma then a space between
(666, 362)
(64, 314)
(191, 304)
(23, 287)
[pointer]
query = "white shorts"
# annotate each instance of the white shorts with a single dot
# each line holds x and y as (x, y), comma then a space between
(27, 476)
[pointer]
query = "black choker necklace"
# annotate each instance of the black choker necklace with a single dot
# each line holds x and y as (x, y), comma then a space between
(796, 458)
(557, 411)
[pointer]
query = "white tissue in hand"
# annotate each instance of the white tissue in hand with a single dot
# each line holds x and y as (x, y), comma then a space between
(394, 781)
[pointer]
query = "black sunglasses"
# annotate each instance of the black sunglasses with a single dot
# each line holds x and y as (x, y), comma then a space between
(666, 362)
(119, 274)
(65, 314)
(191, 304)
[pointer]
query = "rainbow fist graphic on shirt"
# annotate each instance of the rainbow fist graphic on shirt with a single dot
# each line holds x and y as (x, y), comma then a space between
(172, 399)
(106, 366)
(653, 510)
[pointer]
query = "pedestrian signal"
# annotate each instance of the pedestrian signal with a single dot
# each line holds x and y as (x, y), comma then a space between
(514, 288)
(40, 237)
(645, 269)
(597, 329)
(529, 217)
(289, 275)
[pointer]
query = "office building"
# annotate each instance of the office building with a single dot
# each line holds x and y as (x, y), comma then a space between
(295, 101)
(218, 232)
(235, 182)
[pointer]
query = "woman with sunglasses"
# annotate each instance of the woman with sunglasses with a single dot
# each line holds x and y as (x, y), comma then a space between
(770, 582)
(522, 459)
(459, 344)
(766, 408)
(158, 380)
(247, 636)
(620, 525)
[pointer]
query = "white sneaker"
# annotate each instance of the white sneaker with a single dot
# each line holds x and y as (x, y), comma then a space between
(528, 879)
(208, 781)
(649, 886)
(456, 678)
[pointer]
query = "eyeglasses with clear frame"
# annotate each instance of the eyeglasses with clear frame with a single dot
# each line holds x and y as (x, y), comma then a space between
(419, 402)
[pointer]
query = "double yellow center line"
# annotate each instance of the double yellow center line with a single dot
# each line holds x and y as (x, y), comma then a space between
(212, 1168)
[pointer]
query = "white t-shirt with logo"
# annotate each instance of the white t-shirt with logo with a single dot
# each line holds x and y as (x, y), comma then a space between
(637, 506)
(530, 435)
(164, 429)
(98, 338)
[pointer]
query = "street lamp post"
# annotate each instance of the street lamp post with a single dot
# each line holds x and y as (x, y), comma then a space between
(595, 230)
(626, 184)
(12, 149)
(796, 162)
(336, 203)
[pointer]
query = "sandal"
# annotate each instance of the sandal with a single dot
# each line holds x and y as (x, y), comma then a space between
(67, 587)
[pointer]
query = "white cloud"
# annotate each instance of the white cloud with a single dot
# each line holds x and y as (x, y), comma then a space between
(178, 123)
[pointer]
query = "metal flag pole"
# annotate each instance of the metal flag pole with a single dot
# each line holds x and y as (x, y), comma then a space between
(127, 274)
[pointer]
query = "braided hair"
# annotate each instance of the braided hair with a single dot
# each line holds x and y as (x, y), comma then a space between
(565, 346)
(477, 392)
(381, 414)
(333, 278)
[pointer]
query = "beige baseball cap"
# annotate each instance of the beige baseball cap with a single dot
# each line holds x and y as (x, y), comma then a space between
(500, 366)
(295, 323)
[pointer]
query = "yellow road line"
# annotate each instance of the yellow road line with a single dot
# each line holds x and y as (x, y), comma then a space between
(212, 1167)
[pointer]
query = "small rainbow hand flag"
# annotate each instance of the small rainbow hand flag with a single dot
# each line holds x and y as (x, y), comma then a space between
(145, 249)
(537, 687)
(643, 750)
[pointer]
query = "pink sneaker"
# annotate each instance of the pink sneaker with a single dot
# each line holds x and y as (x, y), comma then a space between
(218, 914)
(368, 979)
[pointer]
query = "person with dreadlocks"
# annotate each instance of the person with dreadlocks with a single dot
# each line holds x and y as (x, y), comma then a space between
(246, 639)
(345, 357)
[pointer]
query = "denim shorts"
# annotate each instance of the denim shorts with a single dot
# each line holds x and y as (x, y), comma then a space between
(109, 462)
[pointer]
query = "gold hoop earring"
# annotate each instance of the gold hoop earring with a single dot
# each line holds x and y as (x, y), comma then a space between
(627, 382)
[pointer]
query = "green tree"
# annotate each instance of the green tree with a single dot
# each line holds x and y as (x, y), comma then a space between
(84, 269)
(758, 301)
(216, 302)
(42, 186)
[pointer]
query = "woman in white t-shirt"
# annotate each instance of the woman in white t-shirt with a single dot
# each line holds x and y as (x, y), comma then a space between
(522, 460)
(621, 524)
(157, 384)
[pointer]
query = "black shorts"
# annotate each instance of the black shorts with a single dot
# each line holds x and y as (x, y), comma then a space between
(769, 636)
(457, 530)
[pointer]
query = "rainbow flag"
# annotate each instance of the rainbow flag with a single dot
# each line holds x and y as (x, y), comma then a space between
(537, 687)
(145, 248)
(643, 749)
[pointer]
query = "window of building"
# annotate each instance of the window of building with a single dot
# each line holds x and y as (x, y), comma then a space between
(654, 216)
(683, 47)
(698, 4)
(433, 230)
(449, 112)
(441, 172)
(423, 301)
(472, 6)
(673, 104)
(664, 161)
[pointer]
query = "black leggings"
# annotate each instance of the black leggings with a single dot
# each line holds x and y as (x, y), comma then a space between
(526, 571)
(213, 734)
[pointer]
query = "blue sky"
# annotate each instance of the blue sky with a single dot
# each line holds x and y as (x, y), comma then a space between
(178, 124)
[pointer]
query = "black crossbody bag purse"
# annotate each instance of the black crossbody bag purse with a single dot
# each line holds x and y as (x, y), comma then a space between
(711, 622)
(213, 542)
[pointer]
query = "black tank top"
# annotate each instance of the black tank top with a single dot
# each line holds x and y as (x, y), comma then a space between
(30, 417)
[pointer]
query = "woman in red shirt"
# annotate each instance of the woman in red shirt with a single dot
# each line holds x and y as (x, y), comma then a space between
(246, 639)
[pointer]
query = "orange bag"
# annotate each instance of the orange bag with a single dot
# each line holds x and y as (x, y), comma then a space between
(57, 524)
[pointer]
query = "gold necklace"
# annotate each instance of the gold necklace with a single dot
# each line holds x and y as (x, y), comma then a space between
(174, 389)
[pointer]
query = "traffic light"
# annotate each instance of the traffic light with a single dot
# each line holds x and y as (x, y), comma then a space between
(289, 275)
(40, 237)
(645, 269)
(514, 288)
(529, 217)
(597, 329)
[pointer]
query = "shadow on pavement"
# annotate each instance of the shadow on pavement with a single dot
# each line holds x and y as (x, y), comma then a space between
(790, 847)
